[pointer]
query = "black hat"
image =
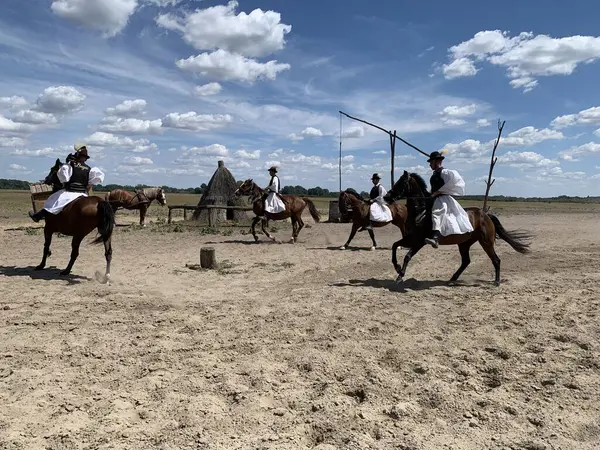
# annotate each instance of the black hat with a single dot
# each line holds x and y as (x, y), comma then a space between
(375, 177)
(82, 152)
(273, 168)
(435, 155)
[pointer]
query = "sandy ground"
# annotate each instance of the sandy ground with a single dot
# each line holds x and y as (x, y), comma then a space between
(301, 346)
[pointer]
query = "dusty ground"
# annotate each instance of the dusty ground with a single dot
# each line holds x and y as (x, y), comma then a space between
(303, 346)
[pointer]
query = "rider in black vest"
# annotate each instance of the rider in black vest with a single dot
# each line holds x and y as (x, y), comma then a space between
(436, 181)
(81, 173)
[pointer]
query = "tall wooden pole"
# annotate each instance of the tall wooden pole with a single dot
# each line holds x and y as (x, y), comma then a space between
(340, 161)
(492, 164)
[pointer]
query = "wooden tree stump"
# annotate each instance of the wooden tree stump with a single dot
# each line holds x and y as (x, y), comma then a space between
(208, 259)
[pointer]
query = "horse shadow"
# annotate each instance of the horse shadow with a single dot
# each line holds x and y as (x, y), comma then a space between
(349, 249)
(49, 273)
(409, 285)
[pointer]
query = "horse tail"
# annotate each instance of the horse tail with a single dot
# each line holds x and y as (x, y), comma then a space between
(106, 222)
(516, 239)
(313, 209)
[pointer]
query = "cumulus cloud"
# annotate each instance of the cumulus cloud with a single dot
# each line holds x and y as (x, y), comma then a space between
(575, 153)
(102, 139)
(113, 124)
(529, 136)
(128, 108)
(590, 116)
(527, 160)
(17, 167)
(525, 56)
(137, 161)
(353, 132)
(208, 89)
(307, 132)
(35, 117)
(60, 100)
(11, 141)
(196, 122)
(483, 123)
(107, 16)
(43, 152)
(13, 103)
(454, 115)
(244, 154)
(11, 126)
(223, 65)
(257, 34)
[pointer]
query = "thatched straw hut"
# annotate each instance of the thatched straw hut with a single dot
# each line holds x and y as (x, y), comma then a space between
(220, 191)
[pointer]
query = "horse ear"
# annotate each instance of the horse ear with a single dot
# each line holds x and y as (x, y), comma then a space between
(406, 173)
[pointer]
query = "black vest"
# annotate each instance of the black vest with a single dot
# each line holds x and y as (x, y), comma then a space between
(374, 192)
(436, 181)
(79, 179)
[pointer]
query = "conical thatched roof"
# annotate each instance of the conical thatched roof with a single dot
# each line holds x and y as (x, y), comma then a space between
(220, 191)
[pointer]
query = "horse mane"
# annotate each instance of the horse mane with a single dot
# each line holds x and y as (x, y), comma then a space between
(354, 194)
(420, 182)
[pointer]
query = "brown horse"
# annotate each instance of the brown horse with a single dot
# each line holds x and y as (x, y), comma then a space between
(350, 203)
(78, 219)
(294, 206)
(141, 200)
(486, 227)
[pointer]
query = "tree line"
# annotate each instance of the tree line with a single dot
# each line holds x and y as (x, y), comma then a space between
(19, 185)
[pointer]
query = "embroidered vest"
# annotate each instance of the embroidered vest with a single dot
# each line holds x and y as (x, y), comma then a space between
(374, 192)
(79, 179)
(436, 180)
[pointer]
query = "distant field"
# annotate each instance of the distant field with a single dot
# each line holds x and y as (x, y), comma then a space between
(16, 204)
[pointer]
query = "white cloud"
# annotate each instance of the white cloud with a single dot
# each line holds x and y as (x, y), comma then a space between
(102, 139)
(223, 65)
(208, 150)
(128, 108)
(380, 152)
(244, 154)
(13, 103)
(527, 160)
(11, 141)
(597, 132)
(107, 16)
(460, 67)
(17, 167)
(483, 123)
(257, 34)
(590, 116)
(353, 132)
(307, 132)
(137, 161)
(574, 153)
(454, 115)
(196, 122)
(11, 126)
(35, 117)
(529, 136)
(43, 152)
(469, 149)
(208, 89)
(524, 56)
(114, 124)
(348, 158)
(60, 100)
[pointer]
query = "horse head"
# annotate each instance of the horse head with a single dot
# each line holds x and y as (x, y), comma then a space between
(408, 185)
(161, 197)
(245, 188)
(52, 177)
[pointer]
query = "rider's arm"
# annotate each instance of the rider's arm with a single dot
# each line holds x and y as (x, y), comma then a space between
(64, 173)
(96, 176)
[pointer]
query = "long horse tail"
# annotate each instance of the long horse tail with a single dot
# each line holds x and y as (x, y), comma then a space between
(516, 239)
(314, 212)
(106, 221)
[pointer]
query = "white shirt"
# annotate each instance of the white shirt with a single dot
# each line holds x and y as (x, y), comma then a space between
(274, 185)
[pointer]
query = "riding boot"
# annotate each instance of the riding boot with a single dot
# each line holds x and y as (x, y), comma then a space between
(41, 214)
(433, 240)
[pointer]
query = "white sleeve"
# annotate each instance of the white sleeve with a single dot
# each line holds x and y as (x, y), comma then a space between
(382, 193)
(64, 173)
(453, 183)
(96, 176)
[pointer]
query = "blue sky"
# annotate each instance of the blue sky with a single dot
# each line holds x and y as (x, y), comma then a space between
(160, 90)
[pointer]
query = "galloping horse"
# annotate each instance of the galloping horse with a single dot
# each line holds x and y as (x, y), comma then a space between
(78, 219)
(141, 200)
(350, 202)
(294, 206)
(486, 227)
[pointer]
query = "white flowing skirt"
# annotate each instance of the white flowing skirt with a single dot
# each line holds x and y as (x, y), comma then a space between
(57, 201)
(380, 213)
(449, 217)
(274, 204)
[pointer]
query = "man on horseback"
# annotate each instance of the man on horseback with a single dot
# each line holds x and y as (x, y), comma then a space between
(76, 177)
(272, 201)
(379, 211)
(447, 216)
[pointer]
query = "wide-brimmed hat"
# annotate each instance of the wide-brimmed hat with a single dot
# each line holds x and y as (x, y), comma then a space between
(375, 177)
(435, 155)
(82, 151)
(273, 168)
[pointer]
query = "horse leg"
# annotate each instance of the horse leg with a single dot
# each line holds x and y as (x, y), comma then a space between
(143, 209)
(465, 258)
(253, 227)
(488, 247)
(265, 231)
(75, 243)
(47, 242)
(108, 256)
(409, 255)
(372, 234)
(352, 234)
(294, 228)
(300, 226)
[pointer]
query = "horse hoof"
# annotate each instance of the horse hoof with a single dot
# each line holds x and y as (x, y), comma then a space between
(343, 247)
(64, 273)
(399, 279)
(40, 267)
(373, 248)
(496, 283)
(292, 241)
